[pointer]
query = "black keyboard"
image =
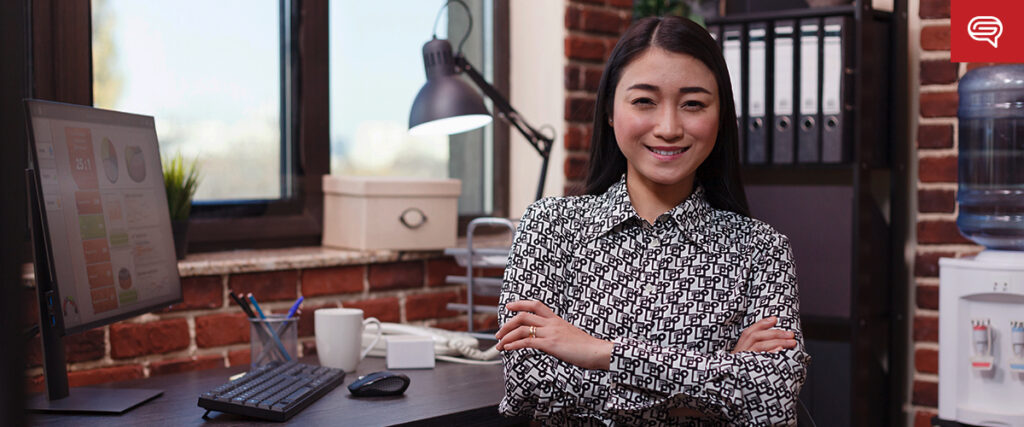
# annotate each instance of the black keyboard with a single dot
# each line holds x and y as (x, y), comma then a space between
(275, 391)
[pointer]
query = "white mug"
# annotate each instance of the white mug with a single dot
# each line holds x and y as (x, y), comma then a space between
(339, 337)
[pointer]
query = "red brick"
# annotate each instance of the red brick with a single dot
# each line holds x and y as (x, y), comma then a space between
(573, 77)
(576, 167)
(924, 418)
(938, 104)
(941, 201)
(429, 306)
(938, 72)
(939, 232)
(439, 269)
(935, 136)
(35, 384)
(197, 363)
(927, 264)
(221, 329)
(576, 139)
(603, 21)
(588, 1)
(592, 78)
(927, 297)
(579, 109)
(266, 286)
(573, 17)
(926, 329)
(926, 361)
(937, 169)
(926, 393)
(89, 345)
(934, 9)
(104, 375)
(627, 5)
(200, 292)
(138, 339)
(479, 299)
(396, 275)
(585, 48)
(935, 37)
(239, 357)
(337, 280)
(384, 309)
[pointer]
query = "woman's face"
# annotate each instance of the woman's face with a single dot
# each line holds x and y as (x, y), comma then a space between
(665, 117)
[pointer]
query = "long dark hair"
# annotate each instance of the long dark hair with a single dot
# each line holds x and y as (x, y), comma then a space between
(719, 174)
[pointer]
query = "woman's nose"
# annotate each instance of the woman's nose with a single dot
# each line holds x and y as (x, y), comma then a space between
(670, 126)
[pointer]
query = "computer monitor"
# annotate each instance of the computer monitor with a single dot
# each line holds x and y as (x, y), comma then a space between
(104, 250)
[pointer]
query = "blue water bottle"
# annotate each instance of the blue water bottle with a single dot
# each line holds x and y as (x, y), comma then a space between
(991, 139)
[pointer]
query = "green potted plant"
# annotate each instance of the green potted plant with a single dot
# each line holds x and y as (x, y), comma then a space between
(696, 10)
(181, 177)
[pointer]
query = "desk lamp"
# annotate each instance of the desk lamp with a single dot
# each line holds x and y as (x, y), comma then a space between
(447, 105)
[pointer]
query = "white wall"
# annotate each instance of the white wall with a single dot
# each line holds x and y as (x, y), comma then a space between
(536, 69)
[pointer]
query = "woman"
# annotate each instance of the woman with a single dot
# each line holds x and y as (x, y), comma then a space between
(655, 298)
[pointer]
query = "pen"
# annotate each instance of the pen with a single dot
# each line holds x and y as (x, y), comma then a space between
(295, 306)
(280, 346)
(241, 303)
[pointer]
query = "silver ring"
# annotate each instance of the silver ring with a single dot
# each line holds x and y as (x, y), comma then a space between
(533, 332)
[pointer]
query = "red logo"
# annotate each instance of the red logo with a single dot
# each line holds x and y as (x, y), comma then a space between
(987, 31)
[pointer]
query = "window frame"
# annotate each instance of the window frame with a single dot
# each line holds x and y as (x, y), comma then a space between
(62, 71)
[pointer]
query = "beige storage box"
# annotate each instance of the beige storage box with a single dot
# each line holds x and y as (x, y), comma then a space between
(390, 212)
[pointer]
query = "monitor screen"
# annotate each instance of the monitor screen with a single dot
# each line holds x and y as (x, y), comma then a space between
(105, 213)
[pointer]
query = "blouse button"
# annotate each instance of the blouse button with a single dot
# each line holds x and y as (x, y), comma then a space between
(655, 243)
(649, 288)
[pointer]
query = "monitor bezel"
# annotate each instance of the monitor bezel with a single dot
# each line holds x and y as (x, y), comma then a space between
(59, 326)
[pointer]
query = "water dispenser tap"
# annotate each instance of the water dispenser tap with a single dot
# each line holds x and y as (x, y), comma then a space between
(1017, 339)
(982, 339)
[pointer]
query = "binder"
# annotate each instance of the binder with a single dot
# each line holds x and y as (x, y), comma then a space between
(833, 149)
(757, 71)
(732, 50)
(808, 132)
(783, 122)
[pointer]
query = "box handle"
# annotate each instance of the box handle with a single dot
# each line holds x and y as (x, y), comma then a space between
(412, 218)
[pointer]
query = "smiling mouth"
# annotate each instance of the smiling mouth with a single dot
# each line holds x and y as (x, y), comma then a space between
(671, 152)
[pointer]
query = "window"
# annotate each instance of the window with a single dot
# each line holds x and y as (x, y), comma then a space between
(244, 85)
(212, 84)
(377, 70)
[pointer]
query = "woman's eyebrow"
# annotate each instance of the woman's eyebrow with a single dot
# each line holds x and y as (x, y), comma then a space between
(683, 90)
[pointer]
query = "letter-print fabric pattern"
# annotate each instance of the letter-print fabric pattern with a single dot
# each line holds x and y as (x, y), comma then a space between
(673, 297)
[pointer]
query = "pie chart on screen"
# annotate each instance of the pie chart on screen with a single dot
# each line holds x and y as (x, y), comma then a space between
(136, 163)
(109, 157)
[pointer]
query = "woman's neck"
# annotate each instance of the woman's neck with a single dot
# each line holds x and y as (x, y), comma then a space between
(651, 199)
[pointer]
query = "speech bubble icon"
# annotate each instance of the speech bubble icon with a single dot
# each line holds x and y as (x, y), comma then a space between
(985, 29)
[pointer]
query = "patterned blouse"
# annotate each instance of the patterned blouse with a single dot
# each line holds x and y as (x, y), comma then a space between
(673, 297)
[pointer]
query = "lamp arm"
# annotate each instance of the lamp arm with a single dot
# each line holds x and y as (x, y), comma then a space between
(540, 142)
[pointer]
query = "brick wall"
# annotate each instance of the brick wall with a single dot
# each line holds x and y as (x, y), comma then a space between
(936, 183)
(592, 28)
(208, 330)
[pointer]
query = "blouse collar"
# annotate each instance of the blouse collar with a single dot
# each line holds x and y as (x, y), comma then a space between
(692, 216)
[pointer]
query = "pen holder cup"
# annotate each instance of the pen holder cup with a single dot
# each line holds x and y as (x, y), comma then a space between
(273, 339)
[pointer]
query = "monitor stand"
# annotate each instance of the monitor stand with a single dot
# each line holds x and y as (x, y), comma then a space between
(93, 400)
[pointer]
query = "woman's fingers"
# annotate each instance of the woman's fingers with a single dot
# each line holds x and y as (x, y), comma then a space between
(771, 334)
(521, 319)
(747, 336)
(516, 339)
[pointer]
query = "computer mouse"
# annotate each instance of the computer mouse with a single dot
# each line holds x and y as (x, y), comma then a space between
(383, 383)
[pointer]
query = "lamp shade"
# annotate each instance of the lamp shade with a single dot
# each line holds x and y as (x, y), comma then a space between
(446, 104)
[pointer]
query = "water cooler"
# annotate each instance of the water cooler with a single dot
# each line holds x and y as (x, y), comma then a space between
(981, 302)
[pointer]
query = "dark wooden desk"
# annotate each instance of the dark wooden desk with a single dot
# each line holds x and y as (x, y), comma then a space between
(450, 394)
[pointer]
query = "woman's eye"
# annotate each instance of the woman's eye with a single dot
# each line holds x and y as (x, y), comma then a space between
(693, 105)
(643, 101)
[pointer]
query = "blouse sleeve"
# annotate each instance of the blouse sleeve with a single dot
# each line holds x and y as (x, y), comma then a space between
(747, 388)
(537, 384)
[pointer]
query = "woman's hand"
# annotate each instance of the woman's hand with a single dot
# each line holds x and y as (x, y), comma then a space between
(552, 335)
(760, 337)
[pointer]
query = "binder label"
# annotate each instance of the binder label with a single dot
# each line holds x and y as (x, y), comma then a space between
(832, 71)
(808, 69)
(783, 71)
(757, 72)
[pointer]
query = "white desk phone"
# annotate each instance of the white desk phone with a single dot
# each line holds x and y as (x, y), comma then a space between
(449, 346)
